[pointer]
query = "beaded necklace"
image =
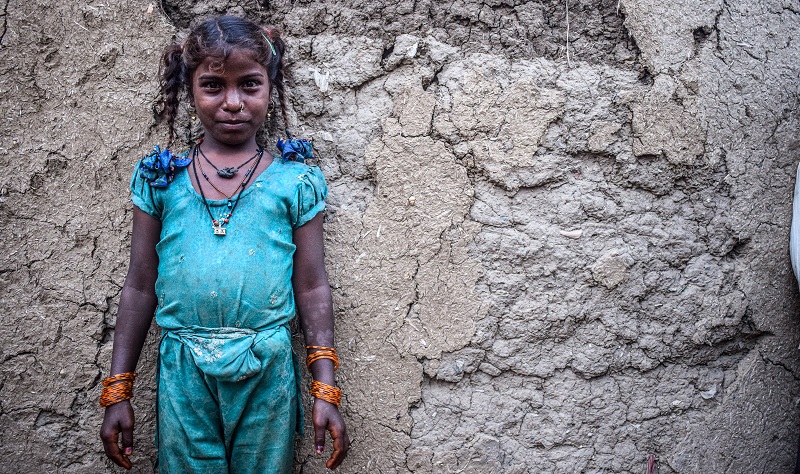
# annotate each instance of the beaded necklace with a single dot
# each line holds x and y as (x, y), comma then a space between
(219, 225)
(229, 171)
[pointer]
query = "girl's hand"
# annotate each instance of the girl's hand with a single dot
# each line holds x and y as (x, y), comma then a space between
(118, 420)
(326, 417)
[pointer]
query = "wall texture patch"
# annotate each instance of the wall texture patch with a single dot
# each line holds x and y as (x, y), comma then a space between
(557, 231)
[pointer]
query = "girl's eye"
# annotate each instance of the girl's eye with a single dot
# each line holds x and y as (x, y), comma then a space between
(251, 84)
(210, 85)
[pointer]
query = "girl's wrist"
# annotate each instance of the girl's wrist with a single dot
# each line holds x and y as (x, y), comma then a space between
(322, 362)
(323, 404)
(323, 371)
(331, 380)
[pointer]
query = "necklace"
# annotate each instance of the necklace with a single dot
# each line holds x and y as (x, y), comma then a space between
(229, 171)
(241, 183)
(219, 224)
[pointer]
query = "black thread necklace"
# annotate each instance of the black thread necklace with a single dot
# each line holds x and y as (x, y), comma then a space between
(241, 183)
(219, 225)
(229, 171)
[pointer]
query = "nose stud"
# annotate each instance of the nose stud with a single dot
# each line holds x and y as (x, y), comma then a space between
(241, 107)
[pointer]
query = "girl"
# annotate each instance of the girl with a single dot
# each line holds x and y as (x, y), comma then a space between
(227, 245)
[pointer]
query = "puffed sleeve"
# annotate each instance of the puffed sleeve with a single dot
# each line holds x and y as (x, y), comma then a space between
(143, 195)
(311, 193)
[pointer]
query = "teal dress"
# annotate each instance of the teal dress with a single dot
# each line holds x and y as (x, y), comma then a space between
(228, 384)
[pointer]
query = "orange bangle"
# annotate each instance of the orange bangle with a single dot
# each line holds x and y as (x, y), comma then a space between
(326, 392)
(131, 376)
(323, 354)
(117, 388)
(322, 348)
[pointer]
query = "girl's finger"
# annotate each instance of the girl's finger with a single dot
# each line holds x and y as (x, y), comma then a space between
(341, 444)
(113, 453)
(127, 441)
(319, 438)
(111, 448)
(337, 456)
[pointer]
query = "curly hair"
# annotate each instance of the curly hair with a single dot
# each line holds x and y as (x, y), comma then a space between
(217, 37)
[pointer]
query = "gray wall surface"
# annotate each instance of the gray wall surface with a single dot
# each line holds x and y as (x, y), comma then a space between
(557, 231)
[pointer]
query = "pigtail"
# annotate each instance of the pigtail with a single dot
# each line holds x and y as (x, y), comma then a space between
(173, 76)
(277, 69)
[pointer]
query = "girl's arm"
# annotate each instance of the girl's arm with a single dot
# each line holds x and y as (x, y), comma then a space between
(312, 294)
(137, 304)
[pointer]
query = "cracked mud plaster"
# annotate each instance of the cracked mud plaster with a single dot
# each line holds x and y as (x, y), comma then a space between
(537, 265)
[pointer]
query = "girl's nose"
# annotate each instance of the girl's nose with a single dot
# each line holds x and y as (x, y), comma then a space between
(233, 102)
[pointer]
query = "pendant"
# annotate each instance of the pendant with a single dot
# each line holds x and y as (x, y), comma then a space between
(219, 230)
(227, 173)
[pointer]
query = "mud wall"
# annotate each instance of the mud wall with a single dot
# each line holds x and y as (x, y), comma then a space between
(556, 236)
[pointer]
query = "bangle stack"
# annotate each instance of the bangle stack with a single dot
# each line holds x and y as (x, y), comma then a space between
(320, 390)
(322, 352)
(117, 388)
(326, 392)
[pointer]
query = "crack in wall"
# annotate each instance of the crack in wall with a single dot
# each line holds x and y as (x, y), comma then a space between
(4, 26)
(524, 30)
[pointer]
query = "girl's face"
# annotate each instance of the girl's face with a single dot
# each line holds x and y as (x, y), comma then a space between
(231, 98)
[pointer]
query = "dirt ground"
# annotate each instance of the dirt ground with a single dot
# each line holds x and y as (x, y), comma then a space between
(557, 232)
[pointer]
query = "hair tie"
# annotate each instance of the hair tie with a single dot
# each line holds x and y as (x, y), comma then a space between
(274, 53)
(295, 149)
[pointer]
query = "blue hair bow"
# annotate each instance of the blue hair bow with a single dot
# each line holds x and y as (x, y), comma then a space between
(158, 167)
(295, 149)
